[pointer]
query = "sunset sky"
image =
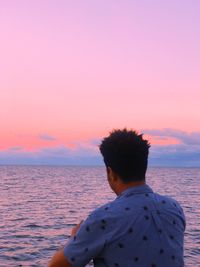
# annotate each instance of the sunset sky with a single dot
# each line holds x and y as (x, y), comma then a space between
(72, 70)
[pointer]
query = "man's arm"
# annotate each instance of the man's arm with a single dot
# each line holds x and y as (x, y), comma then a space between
(88, 241)
(59, 259)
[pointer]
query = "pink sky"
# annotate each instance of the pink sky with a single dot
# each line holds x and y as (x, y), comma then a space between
(74, 70)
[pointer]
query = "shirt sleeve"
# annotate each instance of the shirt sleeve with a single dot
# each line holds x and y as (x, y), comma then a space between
(90, 240)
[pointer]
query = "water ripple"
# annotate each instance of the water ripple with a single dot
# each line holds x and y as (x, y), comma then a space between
(40, 205)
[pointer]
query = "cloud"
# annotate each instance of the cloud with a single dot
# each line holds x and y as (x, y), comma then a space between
(192, 138)
(175, 155)
(61, 155)
(16, 148)
(47, 137)
(185, 153)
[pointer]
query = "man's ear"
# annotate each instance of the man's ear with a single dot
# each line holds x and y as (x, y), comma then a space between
(112, 176)
(108, 169)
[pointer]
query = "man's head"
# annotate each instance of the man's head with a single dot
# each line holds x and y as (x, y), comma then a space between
(125, 155)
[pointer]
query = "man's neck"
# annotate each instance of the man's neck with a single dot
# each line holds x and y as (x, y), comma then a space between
(122, 187)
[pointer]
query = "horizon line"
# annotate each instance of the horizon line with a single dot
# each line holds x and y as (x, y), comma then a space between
(91, 165)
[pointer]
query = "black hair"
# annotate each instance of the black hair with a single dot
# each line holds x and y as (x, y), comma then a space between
(126, 153)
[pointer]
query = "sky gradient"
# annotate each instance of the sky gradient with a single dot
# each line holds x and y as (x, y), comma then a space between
(71, 71)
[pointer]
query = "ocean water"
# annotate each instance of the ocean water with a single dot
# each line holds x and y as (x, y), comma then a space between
(39, 205)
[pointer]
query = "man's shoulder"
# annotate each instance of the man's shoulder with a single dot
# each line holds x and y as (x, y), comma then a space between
(170, 203)
(102, 211)
(166, 199)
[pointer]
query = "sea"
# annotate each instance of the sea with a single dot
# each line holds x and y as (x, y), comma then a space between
(39, 205)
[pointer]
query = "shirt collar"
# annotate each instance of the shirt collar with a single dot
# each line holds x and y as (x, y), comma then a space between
(140, 189)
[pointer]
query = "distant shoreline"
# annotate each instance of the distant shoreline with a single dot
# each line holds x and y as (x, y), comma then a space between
(91, 166)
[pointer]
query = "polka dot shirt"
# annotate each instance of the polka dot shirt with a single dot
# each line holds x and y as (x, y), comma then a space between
(139, 228)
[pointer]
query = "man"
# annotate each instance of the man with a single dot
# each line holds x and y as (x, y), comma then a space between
(139, 228)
